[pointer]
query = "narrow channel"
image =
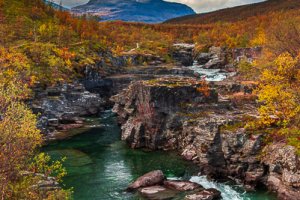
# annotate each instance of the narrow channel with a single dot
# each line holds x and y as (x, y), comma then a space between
(100, 166)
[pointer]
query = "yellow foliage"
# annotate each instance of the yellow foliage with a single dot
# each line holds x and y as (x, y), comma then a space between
(19, 140)
(260, 39)
(279, 93)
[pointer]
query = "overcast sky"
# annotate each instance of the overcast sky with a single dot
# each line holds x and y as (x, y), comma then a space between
(198, 5)
(210, 5)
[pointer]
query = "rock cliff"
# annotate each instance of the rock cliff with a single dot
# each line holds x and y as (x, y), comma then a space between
(187, 115)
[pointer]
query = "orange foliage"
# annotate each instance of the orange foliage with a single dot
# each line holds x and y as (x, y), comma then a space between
(204, 88)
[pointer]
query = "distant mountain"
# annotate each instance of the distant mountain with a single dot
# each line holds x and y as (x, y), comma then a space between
(238, 13)
(149, 11)
(55, 5)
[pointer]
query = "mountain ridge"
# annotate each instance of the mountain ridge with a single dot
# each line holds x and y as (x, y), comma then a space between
(148, 11)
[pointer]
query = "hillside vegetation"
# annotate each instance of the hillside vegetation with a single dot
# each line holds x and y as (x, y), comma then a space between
(238, 13)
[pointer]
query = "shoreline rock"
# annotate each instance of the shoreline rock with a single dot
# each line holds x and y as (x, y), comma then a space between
(63, 107)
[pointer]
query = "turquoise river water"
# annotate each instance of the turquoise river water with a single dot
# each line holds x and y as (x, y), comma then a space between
(100, 166)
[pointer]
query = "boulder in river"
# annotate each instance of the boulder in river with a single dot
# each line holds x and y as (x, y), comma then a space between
(150, 179)
(154, 186)
(157, 192)
(182, 185)
(208, 194)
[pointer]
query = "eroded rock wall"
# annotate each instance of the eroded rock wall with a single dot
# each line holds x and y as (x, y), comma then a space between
(184, 115)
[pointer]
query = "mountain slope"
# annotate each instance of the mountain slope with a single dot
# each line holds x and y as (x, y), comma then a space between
(55, 5)
(149, 11)
(238, 13)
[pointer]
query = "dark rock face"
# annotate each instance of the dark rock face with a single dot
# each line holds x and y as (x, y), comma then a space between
(62, 107)
(206, 130)
(147, 107)
(216, 58)
(149, 11)
(183, 54)
(150, 179)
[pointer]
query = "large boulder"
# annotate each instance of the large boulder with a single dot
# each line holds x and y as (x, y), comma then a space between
(150, 179)
(182, 185)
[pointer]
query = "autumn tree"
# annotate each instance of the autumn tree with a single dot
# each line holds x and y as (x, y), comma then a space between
(19, 140)
(279, 94)
(19, 137)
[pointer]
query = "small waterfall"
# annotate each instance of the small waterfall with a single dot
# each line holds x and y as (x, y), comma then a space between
(209, 74)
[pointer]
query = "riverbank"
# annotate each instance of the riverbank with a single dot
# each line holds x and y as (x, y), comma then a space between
(100, 166)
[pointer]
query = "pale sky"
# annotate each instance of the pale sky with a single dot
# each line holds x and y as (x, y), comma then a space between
(198, 5)
(210, 5)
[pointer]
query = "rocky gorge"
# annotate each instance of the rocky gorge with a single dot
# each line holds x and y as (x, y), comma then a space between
(184, 115)
(162, 107)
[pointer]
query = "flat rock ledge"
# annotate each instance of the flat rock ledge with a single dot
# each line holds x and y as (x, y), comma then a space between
(155, 186)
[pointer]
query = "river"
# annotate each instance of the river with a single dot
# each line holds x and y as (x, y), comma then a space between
(100, 166)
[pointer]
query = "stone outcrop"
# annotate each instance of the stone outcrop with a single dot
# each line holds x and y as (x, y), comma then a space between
(222, 58)
(110, 64)
(215, 58)
(146, 107)
(183, 54)
(184, 115)
(62, 107)
(248, 54)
